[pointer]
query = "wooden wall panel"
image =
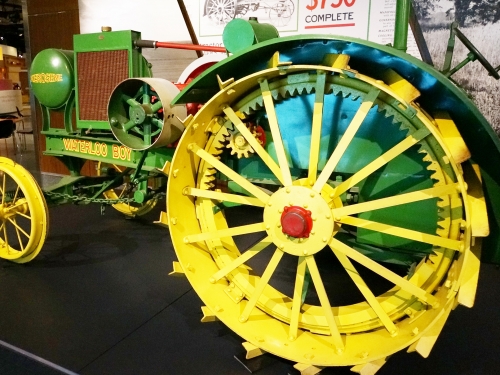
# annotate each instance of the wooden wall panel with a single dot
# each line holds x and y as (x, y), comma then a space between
(50, 24)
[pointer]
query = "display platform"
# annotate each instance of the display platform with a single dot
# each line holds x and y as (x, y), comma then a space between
(98, 300)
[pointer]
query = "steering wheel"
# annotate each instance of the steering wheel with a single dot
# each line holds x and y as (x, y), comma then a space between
(477, 54)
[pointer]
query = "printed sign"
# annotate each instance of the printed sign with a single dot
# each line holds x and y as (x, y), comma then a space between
(366, 19)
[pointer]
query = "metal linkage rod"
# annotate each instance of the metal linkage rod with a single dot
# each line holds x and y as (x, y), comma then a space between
(192, 47)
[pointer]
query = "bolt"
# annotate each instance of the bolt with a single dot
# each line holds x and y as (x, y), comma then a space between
(173, 220)
(288, 190)
(305, 206)
(305, 252)
(324, 239)
(282, 246)
(328, 216)
(243, 319)
(212, 280)
(313, 194)
(292, 338)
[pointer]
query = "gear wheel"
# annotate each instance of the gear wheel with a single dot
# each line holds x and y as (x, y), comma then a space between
(239, 145)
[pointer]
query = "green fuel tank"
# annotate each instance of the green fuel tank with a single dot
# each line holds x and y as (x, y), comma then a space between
(52, 77)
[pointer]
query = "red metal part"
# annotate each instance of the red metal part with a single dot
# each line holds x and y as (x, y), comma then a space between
(191, 47)
(296, 222)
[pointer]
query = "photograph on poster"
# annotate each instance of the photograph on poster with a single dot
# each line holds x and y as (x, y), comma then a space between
(479, 21)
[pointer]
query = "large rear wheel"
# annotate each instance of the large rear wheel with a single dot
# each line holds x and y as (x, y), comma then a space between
(341, 239)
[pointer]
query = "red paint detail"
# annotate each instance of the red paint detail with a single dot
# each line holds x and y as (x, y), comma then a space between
(328, 26)
(296, 222)
(192, 47)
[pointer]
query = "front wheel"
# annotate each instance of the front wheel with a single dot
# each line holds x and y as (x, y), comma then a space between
(23, 213)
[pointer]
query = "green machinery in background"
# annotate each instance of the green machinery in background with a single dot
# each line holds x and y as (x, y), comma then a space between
(328, 201)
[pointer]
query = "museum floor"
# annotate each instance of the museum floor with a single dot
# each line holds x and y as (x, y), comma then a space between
(98, 300)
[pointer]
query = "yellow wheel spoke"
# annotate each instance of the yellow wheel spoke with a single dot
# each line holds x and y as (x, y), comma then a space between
(246, 256)
(346, 139)
(249, 137)
(15, 195)
(402, 232)
(15, 206)
(396, 200)
(225, 197)
(18, 227)
(317, 122)
(3, 189)
(275, 131)
(381, 161)
(297, 298)
(259, 288)
(325, 303)
(19, 239)
(243, 182)
(24, 215)
(367, 293)
(382, 271)
(229, 232)
(6, 239)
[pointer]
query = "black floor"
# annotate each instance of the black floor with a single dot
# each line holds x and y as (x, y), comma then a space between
(98, 300)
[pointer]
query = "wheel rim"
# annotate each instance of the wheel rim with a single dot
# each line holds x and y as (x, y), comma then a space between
(217, 267)
(23, 213)
(131, 209)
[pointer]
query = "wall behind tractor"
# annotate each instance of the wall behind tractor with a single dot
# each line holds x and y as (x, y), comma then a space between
(49, 24)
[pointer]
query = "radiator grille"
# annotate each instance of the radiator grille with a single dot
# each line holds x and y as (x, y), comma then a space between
(98, 75)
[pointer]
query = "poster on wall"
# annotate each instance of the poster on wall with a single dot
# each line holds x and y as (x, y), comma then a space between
(365, 19)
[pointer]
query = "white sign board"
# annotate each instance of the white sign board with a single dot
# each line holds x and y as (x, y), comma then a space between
(162, 20)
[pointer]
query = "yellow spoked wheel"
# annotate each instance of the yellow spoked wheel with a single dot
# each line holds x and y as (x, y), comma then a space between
(347, 238)
(23, 213)
(131, 209)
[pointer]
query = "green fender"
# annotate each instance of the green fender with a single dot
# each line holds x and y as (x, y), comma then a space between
(438, 93)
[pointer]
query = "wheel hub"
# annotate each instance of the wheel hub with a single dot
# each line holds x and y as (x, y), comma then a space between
(296, 222)
(299, 220)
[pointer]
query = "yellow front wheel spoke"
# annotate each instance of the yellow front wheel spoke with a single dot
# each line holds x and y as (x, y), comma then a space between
(223, 197)
(15, 195)
(325, 303)
(381, 161)
(221, 167)
(259, 288)
(297, 298)
(19, 239)
(243, 258)
(346, 139)
(18, 227)
(384, 272)
(402, 232)
(249, 137)
(267, 97)
(396, 200)
(3, 188)
(317, 122)
(6, 239)
(365, 290)
(229, 232)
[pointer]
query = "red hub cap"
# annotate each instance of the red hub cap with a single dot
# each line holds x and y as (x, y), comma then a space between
(296, 222)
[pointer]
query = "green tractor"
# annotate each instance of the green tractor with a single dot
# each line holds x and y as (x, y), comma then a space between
(328, 201)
